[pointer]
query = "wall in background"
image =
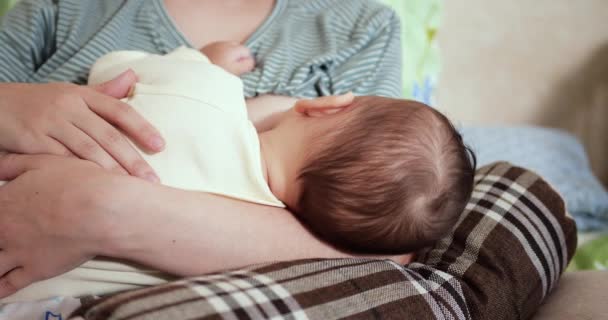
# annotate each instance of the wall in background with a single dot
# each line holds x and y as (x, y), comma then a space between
(529, 62)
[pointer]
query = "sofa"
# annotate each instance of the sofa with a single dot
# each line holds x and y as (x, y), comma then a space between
(518, 79)
(541, 63)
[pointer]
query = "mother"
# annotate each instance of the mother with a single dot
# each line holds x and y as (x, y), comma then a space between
(60, 211)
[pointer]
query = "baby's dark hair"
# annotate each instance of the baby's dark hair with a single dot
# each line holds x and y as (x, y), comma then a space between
(393, 178)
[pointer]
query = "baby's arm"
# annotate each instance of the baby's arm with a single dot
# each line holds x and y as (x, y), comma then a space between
(264, 111)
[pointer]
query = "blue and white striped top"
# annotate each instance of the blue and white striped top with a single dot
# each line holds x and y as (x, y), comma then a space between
(305, 48)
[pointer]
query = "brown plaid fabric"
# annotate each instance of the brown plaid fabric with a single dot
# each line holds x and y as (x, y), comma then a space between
(501, 260)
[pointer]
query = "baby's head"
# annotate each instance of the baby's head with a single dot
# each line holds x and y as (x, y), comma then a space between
(381, 175)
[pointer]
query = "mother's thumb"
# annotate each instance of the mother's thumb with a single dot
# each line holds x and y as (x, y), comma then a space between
(118, 87)
(14, 165)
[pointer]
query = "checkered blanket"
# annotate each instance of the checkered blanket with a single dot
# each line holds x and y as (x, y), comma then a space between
(500, 261)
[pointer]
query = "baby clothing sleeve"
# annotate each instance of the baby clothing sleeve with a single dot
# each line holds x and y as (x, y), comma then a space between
(199, 109)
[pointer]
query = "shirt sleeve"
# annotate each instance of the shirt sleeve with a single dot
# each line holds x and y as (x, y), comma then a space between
(376, 69)
(26, 39)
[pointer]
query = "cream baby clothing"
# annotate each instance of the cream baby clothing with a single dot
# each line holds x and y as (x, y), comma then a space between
(211, 146)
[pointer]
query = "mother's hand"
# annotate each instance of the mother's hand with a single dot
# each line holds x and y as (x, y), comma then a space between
(66, 119)
(48, 220)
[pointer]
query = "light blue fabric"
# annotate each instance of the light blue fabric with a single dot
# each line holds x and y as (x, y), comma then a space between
(303, 49)
(555, 155)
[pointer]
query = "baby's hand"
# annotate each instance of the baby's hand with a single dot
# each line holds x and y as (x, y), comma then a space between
(233, 57)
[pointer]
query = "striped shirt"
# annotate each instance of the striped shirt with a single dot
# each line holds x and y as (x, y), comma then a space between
(305, 48)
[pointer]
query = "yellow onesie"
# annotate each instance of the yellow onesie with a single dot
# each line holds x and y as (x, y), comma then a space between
(211, 146)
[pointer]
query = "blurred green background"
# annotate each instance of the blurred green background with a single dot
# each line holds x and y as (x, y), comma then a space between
(420, 20)
(5, 4)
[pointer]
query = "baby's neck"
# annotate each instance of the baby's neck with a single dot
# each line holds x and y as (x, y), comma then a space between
(281, 159)
(270, 159)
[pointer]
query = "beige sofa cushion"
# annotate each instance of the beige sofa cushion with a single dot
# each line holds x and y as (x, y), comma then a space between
(579, 296)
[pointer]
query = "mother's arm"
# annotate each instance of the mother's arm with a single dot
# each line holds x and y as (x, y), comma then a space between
(190, 233)
(67, 215)
(59, 212)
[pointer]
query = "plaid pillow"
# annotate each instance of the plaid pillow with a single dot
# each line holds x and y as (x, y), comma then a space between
(501, 260)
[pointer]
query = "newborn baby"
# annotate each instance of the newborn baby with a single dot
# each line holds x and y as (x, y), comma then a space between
(366, 174)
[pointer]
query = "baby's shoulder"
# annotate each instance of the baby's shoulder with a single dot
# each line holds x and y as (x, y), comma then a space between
(145, 64)
(121, 57)
(112, 64)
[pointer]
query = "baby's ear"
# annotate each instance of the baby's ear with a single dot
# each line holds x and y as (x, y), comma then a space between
(324, 106)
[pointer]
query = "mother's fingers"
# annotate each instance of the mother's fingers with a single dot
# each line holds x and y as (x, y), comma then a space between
(127, 119)
(57, 148)
(116, 145)
(43, 144)
(14, 165)
(13, 281)
(6, 263)
(85, 147)
(118, 87)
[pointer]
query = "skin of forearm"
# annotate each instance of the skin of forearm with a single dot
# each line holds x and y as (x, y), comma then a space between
(190, 233)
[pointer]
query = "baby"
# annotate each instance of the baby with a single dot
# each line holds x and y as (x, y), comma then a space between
(367, 174)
